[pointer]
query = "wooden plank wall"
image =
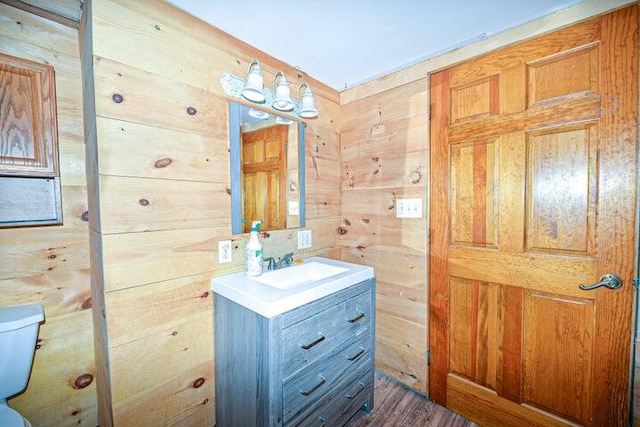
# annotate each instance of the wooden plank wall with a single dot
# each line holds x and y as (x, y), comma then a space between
(383, 159)
(159, 202)
(51, 264)
(152, 261)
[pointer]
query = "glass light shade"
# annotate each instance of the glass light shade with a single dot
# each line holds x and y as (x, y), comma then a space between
(254, 86)
(307, 104)
(282, 100)
(258, 114)
(283, 120)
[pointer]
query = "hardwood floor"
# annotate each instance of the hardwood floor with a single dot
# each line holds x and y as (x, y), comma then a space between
(397, 406)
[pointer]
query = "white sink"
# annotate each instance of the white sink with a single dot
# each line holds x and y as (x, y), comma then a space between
(276, 292)
(290, 277)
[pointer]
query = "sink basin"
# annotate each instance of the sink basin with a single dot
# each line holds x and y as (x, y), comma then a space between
(297, 275)
(276, 292)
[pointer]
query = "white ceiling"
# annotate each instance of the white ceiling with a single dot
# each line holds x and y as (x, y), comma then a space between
(346, 42)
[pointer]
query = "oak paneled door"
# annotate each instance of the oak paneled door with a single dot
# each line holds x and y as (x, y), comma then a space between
(533, 192)
(264, 177)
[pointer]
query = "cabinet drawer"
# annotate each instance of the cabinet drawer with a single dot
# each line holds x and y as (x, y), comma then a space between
(310, 385)
(306, 341)
(339, 405)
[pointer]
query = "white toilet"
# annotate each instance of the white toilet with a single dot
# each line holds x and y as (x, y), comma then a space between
(18, 334)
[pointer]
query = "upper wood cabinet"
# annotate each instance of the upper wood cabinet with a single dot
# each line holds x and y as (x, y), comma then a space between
(29, 178)
(28, 130)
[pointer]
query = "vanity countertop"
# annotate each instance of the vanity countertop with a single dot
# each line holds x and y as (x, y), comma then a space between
(270, 302)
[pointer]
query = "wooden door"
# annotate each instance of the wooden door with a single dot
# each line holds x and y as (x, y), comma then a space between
(264, 177)
(533, 192)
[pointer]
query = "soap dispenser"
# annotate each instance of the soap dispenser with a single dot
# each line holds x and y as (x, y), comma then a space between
(253, 261)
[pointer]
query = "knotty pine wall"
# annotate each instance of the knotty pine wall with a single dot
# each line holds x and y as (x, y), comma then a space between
(159, 203)
(384, 158)
(51, 264)
(152, 261)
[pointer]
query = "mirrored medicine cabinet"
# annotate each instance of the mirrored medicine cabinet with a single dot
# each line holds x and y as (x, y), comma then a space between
(267, 169)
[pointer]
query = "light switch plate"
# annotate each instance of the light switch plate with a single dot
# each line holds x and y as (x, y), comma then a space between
(304, 239)
(409, 208)
(224, 251)
(294, 208)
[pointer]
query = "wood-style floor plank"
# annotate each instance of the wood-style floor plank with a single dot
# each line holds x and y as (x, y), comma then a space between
(398, 406)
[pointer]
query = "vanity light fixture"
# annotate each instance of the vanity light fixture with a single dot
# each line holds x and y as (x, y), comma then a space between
(282, 100)
(254, 85)
(279, 99)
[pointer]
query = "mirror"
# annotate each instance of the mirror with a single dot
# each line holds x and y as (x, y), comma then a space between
(267, 169)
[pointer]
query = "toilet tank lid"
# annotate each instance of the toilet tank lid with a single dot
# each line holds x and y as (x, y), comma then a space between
(19, 316)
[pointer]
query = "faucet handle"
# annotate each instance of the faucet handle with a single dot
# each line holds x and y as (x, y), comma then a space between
(287, 259)
(272, 263)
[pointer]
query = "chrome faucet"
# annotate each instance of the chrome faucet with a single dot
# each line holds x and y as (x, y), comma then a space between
(283, 261)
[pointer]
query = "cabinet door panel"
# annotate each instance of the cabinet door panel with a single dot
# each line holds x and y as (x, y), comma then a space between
(28, 131)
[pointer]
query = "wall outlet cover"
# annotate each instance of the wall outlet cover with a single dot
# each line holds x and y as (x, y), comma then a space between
(224, 251)
(304, 239)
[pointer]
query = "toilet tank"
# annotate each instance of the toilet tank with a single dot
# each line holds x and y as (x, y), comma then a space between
(18, 334)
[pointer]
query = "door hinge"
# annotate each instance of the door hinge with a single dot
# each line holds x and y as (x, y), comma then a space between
(428, 356)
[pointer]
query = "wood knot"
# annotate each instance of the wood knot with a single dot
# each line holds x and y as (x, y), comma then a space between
(228, 191)
(350, 181)
(341, 231)
(191, 111)
(83, 381)
(86, 304)
(347, 222)
(117, 98)
(162, 163)
(205, 294)
(52, 256)
(85, 216)
(366, 220)
(198, 383)
(204, 402)
(143, 202)
(415, 177)
(174, 333)
(157, 27)
(375, 159)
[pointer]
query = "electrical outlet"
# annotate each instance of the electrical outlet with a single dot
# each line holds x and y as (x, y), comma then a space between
(409, 208)
(224, 251)
(304, 239)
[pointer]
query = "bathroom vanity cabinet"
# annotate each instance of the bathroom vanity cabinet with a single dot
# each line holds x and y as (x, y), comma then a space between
(312, 365)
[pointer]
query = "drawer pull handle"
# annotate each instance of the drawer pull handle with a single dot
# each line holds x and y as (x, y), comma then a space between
(351, 396)
(308, 346)
(314, 388)
(356, 356)
(355, 319)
